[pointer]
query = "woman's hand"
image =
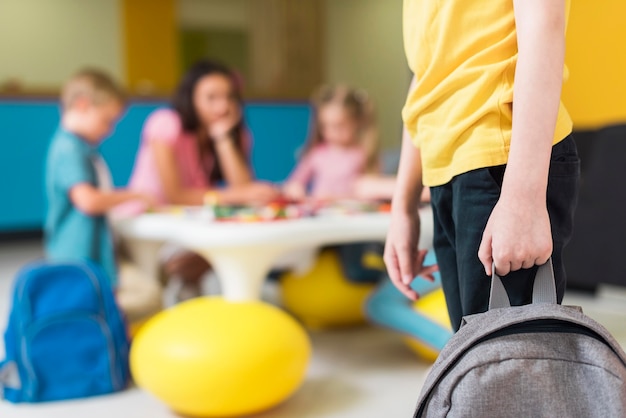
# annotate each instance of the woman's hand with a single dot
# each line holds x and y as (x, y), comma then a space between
(222, 127)
(403, 260)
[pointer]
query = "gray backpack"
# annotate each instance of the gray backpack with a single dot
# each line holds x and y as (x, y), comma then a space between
(537, 360)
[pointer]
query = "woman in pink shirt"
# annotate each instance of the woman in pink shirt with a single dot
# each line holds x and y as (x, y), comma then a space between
(201, 142)
(197, 149)
(343, 146)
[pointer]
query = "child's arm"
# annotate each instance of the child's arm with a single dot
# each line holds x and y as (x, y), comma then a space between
(295, 187)
(93, 201)
(518, 234)
(375, 186)
(402, 258)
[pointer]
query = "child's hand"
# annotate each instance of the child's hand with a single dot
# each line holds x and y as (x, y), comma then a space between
(148, 200)
(261, 193)
(371, 187)
(251, 193)
(403, 260)
(517, 236)
(294, 191)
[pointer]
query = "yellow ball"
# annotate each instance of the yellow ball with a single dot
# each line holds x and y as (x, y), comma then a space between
(433, 307)
(210, 357)
(323, 297)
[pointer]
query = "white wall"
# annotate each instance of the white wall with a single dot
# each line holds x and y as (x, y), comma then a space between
(364, 48)
(42, 42)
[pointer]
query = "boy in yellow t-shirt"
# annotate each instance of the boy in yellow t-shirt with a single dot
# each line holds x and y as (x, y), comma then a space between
(503, 178)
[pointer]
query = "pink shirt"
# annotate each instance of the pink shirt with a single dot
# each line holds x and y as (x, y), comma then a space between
(331, 171)
(164, 125)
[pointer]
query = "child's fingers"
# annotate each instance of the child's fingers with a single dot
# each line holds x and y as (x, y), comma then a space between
(427, 272)
(407, 268)
(395, 275)
(485, 253)
(428, 277)
(419, 260)
(406, 290)
(391, 262)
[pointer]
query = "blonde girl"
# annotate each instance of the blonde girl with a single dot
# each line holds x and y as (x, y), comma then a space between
(342, 146)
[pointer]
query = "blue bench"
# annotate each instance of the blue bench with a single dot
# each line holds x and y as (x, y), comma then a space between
(26, 126)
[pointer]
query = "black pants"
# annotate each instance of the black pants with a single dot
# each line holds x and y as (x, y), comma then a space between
(461, 209)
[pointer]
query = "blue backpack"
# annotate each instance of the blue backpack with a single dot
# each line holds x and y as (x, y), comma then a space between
(65, 337)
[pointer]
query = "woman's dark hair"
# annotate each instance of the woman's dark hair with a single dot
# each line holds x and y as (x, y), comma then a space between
(182, 102)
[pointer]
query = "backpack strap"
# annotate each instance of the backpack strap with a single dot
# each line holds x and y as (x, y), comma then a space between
(544, 288)
(9, 377)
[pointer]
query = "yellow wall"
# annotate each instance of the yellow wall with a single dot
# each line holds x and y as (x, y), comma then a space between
(151, 45)
(364, 47)
(42, 42)
(595, 94)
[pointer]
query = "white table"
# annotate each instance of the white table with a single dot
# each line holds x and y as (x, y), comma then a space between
(242, 254)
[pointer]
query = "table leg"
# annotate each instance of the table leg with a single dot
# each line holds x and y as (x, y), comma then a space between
(242, 271)
(145, 255)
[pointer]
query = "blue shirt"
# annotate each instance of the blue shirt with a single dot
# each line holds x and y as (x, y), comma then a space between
(69, 233)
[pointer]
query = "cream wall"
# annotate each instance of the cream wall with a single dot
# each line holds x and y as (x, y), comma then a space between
(42, 42)
(364, 47)
(214, 13)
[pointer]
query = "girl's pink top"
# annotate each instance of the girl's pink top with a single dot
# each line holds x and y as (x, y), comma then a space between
(330, 171)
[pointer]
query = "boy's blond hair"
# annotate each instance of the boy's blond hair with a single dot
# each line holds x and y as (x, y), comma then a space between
(92, 84)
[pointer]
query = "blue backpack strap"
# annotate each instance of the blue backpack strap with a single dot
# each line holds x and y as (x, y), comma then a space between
(115, 320)
(9, 377)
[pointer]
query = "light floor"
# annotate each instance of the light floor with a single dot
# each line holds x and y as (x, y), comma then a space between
(365, 372)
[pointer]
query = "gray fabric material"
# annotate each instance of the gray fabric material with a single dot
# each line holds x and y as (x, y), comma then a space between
(529, 375)
(544, 288)
(498, 297)
(9, 377)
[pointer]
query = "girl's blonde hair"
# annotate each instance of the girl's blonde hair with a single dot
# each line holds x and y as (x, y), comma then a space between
(360, 107)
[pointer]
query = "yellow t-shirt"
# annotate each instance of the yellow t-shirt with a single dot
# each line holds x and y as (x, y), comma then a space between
(463, 54)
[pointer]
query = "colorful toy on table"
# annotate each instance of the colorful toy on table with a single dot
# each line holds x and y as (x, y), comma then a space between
(279, 209)
(283, 209)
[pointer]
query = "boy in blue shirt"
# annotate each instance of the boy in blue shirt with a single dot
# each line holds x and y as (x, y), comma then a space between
(78, 185)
